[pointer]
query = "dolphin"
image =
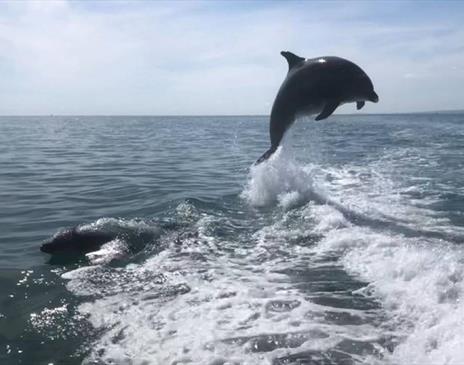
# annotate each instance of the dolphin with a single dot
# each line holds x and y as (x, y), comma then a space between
(316, 86)
(75, 242)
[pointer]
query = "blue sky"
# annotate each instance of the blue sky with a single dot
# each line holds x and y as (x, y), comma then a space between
(207, 58)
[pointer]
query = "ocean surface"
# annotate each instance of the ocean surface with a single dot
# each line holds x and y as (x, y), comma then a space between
(346, 247)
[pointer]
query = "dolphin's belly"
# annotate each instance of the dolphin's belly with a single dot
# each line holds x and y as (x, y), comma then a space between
(309, 109)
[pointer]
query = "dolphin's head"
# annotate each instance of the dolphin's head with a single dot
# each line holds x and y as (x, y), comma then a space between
(360, 87)
(350, 81)
(60, 243)
(367, 89)
(374, 97)
(364, 87)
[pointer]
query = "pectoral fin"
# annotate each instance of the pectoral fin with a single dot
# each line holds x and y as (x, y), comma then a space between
(360, 104)
(328, 110)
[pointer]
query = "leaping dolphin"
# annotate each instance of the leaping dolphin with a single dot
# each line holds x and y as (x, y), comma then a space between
(316, 86)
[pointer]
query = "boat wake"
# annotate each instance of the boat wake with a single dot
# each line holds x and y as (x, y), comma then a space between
(309, 265)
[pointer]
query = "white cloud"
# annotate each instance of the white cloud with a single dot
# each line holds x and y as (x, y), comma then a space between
(192, 58)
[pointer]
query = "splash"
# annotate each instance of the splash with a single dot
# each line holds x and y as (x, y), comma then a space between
(279, 180)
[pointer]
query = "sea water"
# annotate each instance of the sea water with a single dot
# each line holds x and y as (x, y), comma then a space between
(346, 247)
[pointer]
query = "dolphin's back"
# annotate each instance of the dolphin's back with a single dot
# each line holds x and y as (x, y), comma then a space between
(76, 242)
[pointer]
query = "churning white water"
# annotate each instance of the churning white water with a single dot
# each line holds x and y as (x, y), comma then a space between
(342, 269)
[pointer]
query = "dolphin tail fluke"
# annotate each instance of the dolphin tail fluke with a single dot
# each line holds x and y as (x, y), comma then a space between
(266, 155)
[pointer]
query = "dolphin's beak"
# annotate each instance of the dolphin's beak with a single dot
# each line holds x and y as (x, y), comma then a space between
(374, 97)
(46, 248)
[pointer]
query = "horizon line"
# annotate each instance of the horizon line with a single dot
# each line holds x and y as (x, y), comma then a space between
(219, 115)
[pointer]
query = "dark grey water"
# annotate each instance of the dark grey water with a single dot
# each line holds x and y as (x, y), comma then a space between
(345, 248)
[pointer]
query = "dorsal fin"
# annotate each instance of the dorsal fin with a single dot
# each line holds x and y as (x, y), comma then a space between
(292, 59)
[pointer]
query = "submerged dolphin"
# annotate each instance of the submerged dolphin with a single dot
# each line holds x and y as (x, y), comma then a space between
(316, 86)
(73, 241)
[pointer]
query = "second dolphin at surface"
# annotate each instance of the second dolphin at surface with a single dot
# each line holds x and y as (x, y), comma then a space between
(316, 86)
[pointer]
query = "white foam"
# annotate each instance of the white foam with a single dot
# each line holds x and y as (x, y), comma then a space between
(224, 318)
(420, 283)
(278, 180)
(328, 218)
(232, 307)
(108, 252)
(112, 223)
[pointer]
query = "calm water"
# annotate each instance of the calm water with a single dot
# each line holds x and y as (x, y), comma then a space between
(345, 248)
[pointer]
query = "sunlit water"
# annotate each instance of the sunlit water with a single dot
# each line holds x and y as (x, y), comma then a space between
(344, 248)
